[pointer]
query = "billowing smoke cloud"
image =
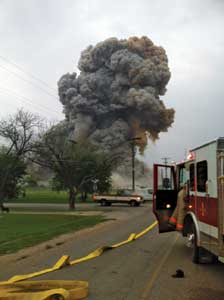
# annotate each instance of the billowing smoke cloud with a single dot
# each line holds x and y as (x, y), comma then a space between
(116, 95)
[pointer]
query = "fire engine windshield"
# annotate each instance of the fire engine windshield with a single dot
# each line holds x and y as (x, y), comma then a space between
(183, 175)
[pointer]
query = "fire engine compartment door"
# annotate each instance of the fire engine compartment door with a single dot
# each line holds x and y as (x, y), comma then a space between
(164, 195)
(221, 190)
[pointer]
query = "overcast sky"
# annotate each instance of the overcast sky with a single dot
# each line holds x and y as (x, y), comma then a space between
(44, 38)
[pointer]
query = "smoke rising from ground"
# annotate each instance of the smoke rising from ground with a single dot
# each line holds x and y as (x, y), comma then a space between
(116, 95)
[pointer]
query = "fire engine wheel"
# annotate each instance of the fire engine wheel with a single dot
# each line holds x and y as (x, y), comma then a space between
(199, 254)
(193, 239)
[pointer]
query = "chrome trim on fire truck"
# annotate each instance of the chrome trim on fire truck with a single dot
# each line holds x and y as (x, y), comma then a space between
(221, 259)
(209, 229)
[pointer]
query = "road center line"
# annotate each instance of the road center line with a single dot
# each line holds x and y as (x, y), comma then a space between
(148, 287)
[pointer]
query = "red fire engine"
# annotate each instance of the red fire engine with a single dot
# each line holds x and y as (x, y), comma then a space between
(204, 219)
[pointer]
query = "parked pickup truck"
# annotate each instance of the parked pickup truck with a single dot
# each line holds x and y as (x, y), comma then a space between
(120, 197)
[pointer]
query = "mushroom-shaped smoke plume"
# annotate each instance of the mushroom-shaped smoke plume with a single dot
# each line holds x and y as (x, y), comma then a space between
(116, 95)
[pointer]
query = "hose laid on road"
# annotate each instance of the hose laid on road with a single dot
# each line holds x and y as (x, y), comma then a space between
(13, 289)
(45, 290)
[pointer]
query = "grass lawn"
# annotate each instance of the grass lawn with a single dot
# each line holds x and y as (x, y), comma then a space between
(45, 195)
(18, 231)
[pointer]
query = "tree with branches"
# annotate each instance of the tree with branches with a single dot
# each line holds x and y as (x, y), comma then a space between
(75, 165)
(18, 132)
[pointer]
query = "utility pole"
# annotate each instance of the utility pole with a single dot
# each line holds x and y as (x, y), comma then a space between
(166, 179)
(133, 152)
(165, 160)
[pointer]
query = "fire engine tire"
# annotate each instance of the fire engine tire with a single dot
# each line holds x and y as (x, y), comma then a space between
(201, 255)
(132, 203)
(196, 255)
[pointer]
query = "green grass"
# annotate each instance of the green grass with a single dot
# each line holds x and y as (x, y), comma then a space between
(45, 195)
(18, 231)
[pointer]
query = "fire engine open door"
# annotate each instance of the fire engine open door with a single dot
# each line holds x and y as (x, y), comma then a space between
(164, 195)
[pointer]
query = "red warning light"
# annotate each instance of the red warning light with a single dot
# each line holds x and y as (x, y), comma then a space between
(190, 156)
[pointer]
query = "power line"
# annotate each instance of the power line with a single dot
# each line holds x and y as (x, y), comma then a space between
(26, 100)
(28, 81)
(36, 109)
(28, 73)
(165, 160)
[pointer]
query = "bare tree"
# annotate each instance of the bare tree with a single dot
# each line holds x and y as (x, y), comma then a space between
(19, 133)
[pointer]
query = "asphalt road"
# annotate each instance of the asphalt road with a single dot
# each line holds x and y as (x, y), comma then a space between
(137, 271)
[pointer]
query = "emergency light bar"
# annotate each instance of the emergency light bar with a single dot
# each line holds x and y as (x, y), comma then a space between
(190, 156)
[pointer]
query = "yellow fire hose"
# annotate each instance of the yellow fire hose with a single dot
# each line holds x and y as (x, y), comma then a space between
(14, 289)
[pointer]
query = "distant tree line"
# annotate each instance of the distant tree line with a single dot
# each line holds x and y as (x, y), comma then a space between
(76, 167)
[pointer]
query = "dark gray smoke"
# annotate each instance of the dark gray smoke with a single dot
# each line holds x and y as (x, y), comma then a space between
(116, 95)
